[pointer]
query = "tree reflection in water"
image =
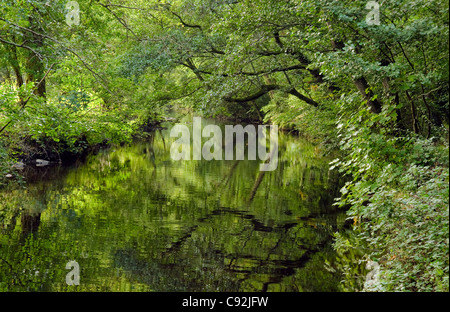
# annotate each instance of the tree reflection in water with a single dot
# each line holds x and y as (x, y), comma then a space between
(135, 220)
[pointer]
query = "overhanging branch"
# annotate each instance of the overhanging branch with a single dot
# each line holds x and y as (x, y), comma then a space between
(271, 87)
(264, 90)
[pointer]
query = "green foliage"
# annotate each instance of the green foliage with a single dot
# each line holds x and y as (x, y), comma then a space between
(399, 198)
(70, 124)
(4, 166)
(378, 93)
(317, 125)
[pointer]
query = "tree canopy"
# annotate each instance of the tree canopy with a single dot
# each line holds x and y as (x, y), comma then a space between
(367, 78)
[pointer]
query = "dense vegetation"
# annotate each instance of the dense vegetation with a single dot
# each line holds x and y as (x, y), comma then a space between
(377, 92)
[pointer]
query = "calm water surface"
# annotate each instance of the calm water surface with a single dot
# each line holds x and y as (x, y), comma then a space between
(135, 220)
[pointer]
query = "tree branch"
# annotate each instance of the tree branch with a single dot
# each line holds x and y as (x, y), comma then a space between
(122, 21)
(275, 70)
(87, 66)
(20, 46)
(266, 89)
(297, 94)
(183, 22)
(362, 85)
(302, 59)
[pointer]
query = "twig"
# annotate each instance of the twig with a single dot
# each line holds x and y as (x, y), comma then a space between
(121, 20)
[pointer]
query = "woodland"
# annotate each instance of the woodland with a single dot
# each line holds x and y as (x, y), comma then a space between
(366, 81)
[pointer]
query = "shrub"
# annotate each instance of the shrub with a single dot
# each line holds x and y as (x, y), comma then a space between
(398, 199)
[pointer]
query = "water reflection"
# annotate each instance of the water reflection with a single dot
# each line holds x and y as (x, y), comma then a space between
(135, 220)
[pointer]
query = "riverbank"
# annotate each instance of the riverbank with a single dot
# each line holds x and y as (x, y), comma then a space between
(15, 153)
(398, 202)
(396, 198)
(397, 208)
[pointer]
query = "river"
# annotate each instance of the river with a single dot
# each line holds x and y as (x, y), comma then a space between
(133, 219)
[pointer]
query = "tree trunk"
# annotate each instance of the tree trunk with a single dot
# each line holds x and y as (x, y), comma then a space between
(363, 87)
(15, 66)
(34, 67)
